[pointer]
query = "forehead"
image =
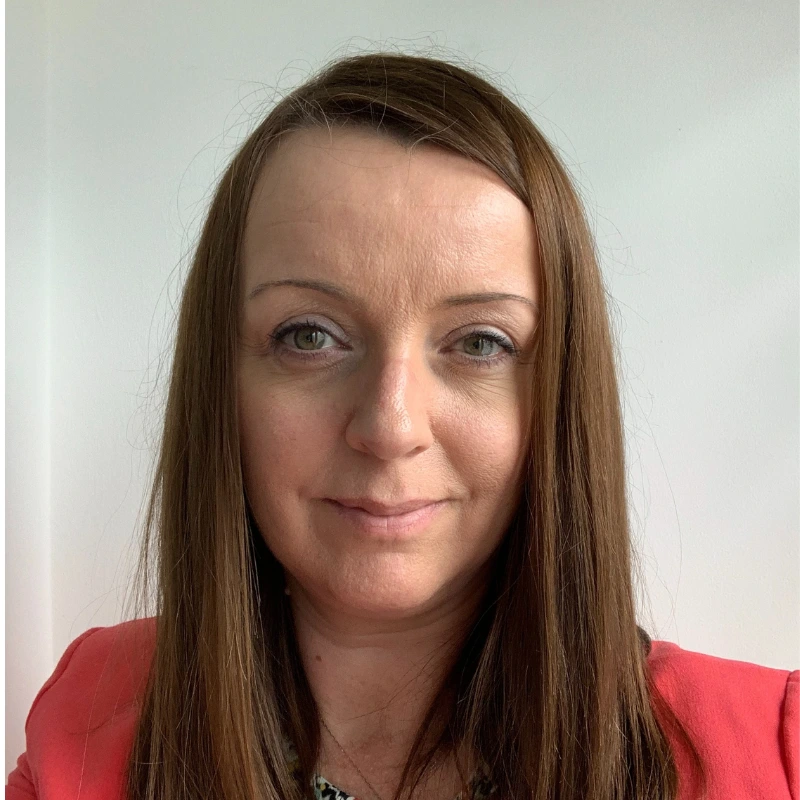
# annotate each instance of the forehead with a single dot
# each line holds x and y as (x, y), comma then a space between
(346, 203)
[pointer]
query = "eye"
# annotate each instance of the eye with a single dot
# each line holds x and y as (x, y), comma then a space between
(313, 335)
(309, 345)
(510, 351)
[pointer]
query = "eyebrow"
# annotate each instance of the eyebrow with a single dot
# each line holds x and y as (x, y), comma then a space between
(343, 294)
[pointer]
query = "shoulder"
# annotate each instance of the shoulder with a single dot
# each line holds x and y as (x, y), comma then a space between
(82, 721)
(743, 718)
(100, 674)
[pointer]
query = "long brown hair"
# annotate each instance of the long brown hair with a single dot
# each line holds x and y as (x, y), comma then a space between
(552, 683)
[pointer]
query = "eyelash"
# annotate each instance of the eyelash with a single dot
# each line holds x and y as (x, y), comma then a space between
(479, 361)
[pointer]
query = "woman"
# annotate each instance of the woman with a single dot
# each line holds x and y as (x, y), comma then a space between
(389, 511)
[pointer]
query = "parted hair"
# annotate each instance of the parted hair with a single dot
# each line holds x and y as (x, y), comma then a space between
(551, 685)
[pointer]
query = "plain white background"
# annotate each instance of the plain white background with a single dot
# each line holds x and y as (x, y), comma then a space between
(678, 120)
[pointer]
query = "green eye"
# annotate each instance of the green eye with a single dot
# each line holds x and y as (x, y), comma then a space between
(314, 336)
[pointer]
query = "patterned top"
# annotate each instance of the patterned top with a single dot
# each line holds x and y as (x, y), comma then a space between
(480, 785)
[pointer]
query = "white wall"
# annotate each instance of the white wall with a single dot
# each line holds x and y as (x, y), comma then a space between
(679, 120)
(29, 596)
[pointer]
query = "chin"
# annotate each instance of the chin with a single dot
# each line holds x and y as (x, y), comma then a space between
(383, 599)
(378, 585)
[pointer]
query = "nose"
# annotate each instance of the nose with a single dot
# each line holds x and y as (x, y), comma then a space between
(391, 413)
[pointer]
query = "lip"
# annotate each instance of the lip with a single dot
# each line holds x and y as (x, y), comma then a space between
(392, 524)
(379, 509)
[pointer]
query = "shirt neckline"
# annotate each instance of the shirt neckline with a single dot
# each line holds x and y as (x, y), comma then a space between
(479, 785)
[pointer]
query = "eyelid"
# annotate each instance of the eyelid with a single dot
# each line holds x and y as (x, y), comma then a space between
(460, 333)
(508, 347)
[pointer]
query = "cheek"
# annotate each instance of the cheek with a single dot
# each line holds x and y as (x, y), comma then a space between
(493, 470)
(284, 437)
(485, 440)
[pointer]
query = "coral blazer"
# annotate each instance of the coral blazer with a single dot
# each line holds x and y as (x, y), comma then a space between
(744, 720)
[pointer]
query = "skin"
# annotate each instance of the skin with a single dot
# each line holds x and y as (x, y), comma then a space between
(395, 406)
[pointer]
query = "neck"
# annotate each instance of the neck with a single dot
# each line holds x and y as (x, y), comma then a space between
(373, 680)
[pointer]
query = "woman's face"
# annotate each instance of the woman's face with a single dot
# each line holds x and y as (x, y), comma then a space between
(404, 379)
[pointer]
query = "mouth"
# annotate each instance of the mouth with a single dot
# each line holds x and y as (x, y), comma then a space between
(407, 522)
(379, 508)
